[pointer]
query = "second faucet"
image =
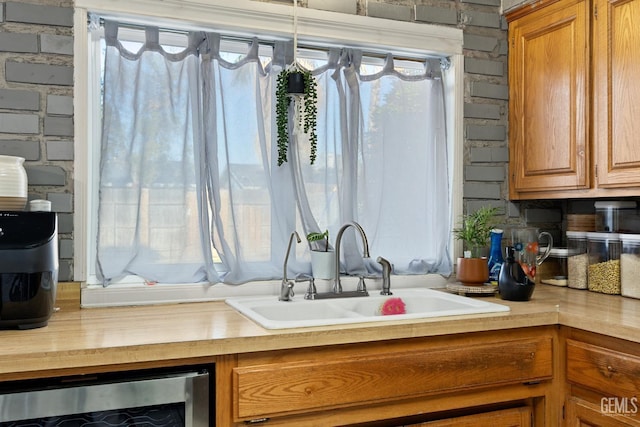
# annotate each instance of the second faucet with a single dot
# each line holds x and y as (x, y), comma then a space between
(337, 286)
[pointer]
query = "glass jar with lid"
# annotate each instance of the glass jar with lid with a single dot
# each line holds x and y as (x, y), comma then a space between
(577, 259)
(554, 270)
(630, 265)
(604, 262)
(611, 216)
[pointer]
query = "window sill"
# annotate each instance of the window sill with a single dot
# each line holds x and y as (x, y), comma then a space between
(144, 294)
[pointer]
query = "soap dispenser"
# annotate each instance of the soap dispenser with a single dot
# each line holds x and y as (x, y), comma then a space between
(513, 283)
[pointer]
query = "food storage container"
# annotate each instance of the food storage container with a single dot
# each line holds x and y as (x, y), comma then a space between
(554, 270)
(611, 215)
(604, 262)
(577, 259)
(630, 265)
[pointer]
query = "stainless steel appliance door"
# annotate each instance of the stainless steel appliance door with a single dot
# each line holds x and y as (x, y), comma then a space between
(188, 390)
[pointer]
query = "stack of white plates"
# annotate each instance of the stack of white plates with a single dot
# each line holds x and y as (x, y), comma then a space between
(13, 184)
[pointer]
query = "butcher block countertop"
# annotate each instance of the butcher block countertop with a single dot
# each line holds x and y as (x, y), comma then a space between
(162, 335)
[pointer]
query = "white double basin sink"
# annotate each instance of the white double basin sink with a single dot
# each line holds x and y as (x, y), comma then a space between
(419, 303)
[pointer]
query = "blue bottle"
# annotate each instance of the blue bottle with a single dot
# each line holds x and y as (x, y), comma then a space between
(495, 255)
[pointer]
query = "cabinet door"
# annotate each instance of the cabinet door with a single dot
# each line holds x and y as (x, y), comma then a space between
(603, 369)
(617, 92)
(516, 417)
(548, 95)
(329, 381)
(581, 413)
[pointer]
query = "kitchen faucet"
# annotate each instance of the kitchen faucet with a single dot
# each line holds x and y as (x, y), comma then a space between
(337, 286)
(386, 276)
(286, 288)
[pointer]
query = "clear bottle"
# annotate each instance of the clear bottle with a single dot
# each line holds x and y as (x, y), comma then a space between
(495, 255)
(604, 262)
(577, 260)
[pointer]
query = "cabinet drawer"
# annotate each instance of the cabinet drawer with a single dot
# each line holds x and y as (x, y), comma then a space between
(610, 372)
(324, 383)
(516, 417)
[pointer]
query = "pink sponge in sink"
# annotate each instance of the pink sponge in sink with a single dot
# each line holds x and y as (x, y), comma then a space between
(392, 306)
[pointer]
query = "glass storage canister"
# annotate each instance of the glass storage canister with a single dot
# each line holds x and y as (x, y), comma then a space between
(577, 259)
(630, 265)
(554, 270)
(611, 216)
(604, 262)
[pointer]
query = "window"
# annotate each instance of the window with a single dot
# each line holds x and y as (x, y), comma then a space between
(267, 202)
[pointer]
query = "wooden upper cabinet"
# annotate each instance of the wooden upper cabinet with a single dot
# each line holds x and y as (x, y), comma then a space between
(548, 99)
(574, 99)
(616, 77)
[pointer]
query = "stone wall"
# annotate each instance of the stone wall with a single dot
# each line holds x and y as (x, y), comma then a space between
(36, 104)
(36, 90)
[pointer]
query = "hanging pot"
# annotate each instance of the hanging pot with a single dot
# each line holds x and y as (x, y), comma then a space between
(13, 184)
(295, 83)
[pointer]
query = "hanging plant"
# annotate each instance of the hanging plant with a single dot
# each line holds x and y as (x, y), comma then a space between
(305, 111)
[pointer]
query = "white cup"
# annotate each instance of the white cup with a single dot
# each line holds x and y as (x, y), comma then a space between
(40, 205)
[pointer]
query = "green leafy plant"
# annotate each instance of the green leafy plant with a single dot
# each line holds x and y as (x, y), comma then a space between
(315, 237)
(308, 118)
(475, 230)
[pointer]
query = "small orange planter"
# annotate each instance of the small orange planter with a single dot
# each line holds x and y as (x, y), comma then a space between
(472, 271)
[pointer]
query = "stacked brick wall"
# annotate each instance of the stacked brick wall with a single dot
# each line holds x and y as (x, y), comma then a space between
(36, 104)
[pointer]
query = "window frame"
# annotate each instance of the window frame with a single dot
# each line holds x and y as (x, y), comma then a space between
(244, 18)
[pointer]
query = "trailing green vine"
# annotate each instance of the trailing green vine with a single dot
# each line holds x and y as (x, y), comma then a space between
(309, 121)
(282, 109)
(311, 113)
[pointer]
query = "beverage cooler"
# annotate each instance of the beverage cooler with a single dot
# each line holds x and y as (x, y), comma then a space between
(158, 399)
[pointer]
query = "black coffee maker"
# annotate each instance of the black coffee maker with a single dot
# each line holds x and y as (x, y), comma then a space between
(28, 268)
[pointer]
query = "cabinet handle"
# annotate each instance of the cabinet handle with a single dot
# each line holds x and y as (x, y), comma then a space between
(610, 371)
(256, 421)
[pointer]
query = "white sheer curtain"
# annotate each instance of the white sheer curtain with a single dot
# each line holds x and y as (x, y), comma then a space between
(189, 186)
(148, 186)
(382, 161)
(251, 198)
(403, 185)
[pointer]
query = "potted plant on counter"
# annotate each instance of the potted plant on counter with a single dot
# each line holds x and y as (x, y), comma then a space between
(323, 263)
(475, 231)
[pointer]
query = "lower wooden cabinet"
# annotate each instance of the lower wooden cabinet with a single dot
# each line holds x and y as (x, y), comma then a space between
(542, 376)
(366, 384)
(604, 369)
(581, 413)
(603, 381)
